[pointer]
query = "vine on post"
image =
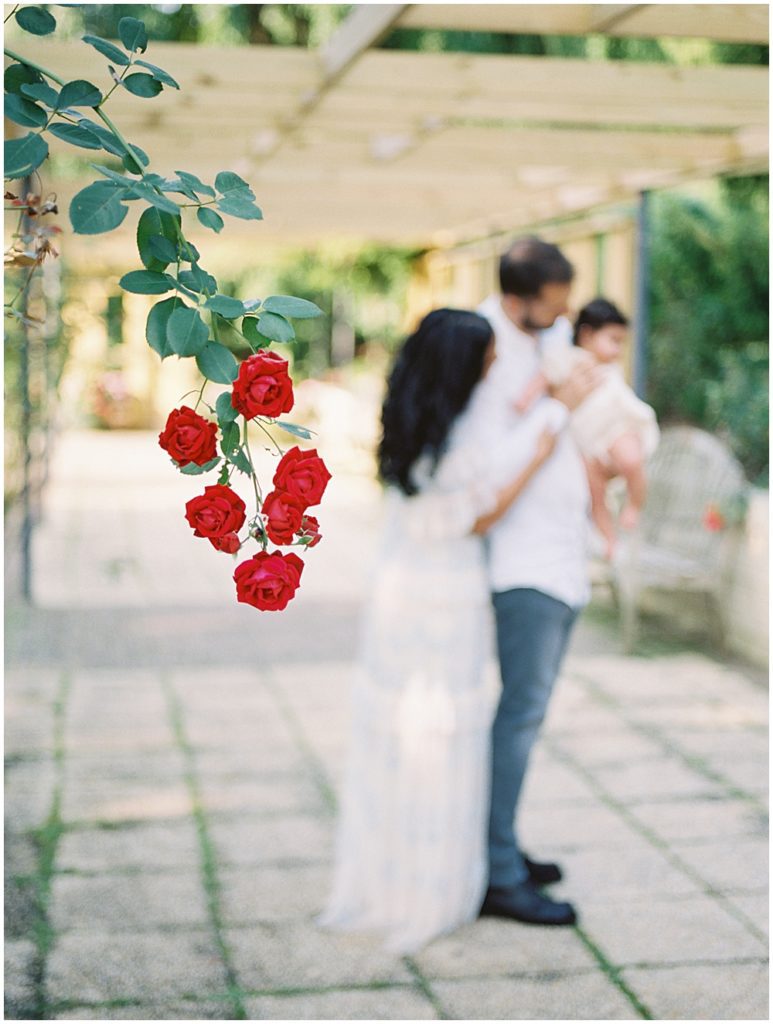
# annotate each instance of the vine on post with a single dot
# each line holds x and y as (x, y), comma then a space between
(189, 322)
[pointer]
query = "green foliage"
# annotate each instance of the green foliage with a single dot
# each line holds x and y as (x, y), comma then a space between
(173, 328)
(36, 20)
(709, 312)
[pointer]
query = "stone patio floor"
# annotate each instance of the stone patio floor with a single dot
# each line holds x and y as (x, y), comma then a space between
(172, 762)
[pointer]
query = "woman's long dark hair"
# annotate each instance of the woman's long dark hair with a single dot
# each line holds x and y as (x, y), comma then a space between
(430, 384)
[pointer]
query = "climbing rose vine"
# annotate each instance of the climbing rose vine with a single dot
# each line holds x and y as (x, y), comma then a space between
(195, 320)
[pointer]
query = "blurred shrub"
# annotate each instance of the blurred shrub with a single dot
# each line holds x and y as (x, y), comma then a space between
(709, 312)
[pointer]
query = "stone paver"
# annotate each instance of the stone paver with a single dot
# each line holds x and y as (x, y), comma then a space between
(345, 1004)
(296, 955)
(148, 967)
(691, 993)
(112, 903)
(570, 997)
(188, 779)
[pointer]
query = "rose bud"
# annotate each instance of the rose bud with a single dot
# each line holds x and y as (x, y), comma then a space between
(229, 543)
(310, 528)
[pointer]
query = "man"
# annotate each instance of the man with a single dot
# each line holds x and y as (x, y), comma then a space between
(536, 559)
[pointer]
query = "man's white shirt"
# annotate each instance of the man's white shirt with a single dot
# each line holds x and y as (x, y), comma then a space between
(541, 541)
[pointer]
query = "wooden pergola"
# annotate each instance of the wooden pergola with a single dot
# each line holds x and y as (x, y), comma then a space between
(436, 149)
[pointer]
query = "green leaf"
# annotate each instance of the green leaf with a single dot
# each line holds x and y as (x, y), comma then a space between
(239, 206)
(275, 327)
(224, 409)
(199, 280)
(97, 208)
(157, 323)
(110, 142)
(250, 332)
(240, 460)
(152, 223)
(133, 35)
(132, 165)
(159, 73)
(227, 307)
(293, 428)
(210, 219)
(163, 249)
(36, 20)
(142, 191)
(289, 305)
(23, 155)
(188, 251)
(193, 470)
(228, 183)
(195, 183)
(231, 436)
(75, 135)
(44, 93)
(108, 50)
(79, 94)
(119, 179)
(186, 332)
(217, 363)
(24, 112)
(146, 282)
(17, 75)
(141, 84)
(175, 185)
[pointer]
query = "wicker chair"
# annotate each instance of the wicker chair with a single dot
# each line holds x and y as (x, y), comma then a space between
(688, 529)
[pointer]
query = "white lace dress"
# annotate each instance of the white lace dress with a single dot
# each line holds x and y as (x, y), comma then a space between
(411, 856)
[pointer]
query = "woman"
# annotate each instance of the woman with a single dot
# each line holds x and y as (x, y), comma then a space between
(410, 858)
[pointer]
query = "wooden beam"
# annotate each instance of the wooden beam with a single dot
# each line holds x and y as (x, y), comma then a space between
(745, 23)
(364, 27)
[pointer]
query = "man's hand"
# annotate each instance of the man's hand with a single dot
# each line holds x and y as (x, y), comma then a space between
(578, 385)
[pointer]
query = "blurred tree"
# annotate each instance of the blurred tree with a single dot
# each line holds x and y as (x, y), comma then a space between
(709, 315)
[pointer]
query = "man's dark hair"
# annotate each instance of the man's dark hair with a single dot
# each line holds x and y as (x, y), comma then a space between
(530, 263)
(598, 313)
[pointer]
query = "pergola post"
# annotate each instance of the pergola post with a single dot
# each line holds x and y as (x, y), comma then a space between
(642, 289)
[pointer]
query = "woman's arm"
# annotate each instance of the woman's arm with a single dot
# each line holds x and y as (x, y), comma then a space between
(545, 445)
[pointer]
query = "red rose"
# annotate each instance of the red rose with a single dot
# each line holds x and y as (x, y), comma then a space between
(284, 514)
(268, 581)
(188, 437)
(263, 386)
(310, 528)
(230, 543)
(216, 512)
(303, 474)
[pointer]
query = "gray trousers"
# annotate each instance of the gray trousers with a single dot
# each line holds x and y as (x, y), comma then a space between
(532, 635)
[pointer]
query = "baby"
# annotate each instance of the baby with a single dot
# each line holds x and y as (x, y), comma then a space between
(615, 431)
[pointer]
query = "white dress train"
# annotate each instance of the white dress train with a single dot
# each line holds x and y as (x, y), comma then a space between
(410, 852)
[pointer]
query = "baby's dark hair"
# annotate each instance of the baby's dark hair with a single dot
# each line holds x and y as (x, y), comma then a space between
(597, 313)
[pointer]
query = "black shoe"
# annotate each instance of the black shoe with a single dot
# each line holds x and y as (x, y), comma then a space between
(526, 903)
(542, 873)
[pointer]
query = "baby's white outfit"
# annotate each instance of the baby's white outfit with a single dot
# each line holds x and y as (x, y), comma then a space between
(610, 410)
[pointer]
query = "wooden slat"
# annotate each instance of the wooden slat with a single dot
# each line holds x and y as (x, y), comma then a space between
(730, 22)
(551, 90)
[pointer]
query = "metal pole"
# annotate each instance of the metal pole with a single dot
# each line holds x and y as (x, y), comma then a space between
(641, 321)
(26, 430)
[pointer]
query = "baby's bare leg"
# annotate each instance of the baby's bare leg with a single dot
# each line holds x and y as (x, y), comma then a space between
(598, 478)
(626, 459)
